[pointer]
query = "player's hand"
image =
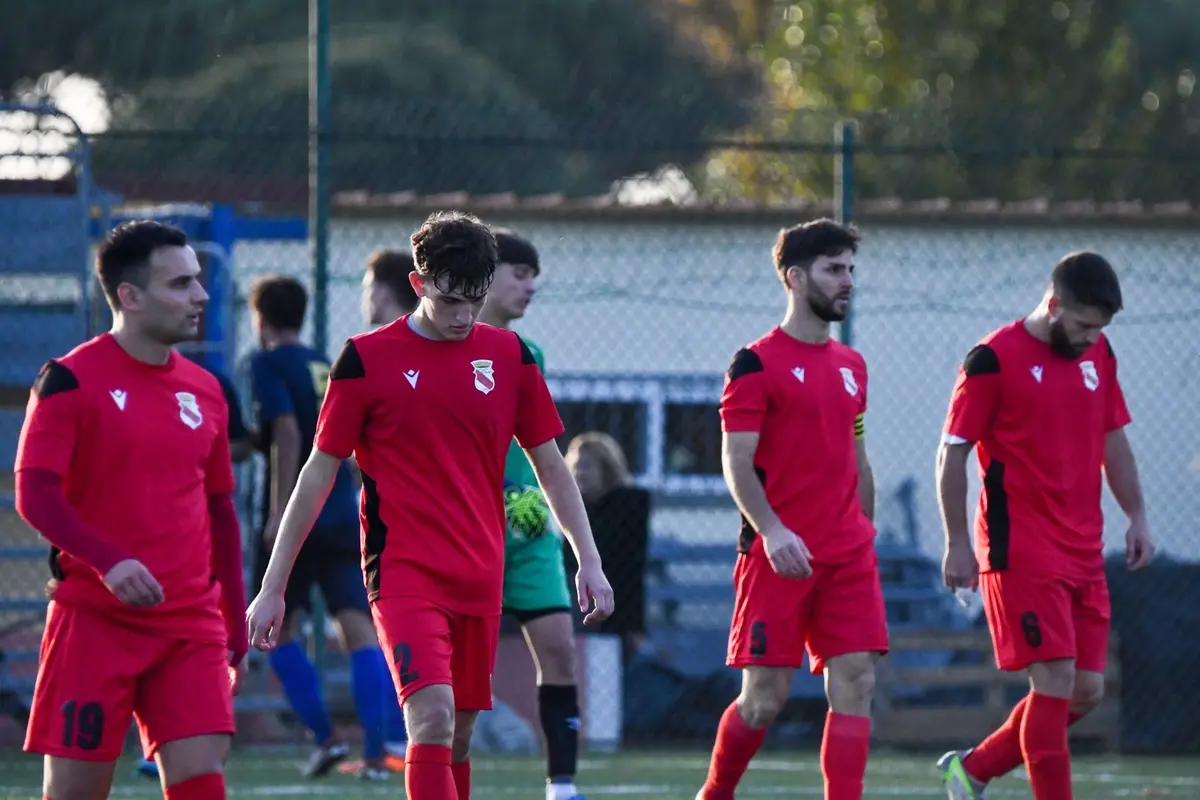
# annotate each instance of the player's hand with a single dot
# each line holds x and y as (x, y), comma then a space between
(133, 584)
(264, 620)
(960, 570)
(595, 594)
(51, 588)
(236, 668)
(788, 554)
(1139, 550)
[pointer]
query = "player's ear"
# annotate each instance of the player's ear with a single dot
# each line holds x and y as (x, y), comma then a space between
(417, 283)
(794, 277)
(130, 296)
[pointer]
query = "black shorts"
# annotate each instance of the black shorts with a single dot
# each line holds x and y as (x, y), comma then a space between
(328, 560)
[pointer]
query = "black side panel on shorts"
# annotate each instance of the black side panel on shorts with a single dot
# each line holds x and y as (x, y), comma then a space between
(348, 364)
(747, 533)
(998, 524)
(53, 378)
(375, 537)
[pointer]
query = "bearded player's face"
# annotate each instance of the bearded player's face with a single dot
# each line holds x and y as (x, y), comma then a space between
(1074, 329)
(827, 285)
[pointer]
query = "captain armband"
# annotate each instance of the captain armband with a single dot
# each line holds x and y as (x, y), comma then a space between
(860, 426)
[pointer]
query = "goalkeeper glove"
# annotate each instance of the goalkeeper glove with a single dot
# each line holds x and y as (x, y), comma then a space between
(525, 510)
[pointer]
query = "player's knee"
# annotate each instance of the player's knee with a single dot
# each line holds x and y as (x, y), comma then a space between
(556, 661)
(185, 759)
(429, 715)
(464, 729)
(1089, 691)
(1053, 678)
(850, 682)
(764, 693)
(67, 779)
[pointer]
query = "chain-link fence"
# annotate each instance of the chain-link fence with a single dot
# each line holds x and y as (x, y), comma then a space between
(654, 232)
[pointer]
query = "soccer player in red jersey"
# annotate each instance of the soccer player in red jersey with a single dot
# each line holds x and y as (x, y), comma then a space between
(429, 405)
(1040, 401)
(124, 467)
(796, 463)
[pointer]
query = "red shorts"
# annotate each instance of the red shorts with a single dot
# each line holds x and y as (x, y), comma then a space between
(95, 674)
(1035, 618)
(427, 645)
(839, 610)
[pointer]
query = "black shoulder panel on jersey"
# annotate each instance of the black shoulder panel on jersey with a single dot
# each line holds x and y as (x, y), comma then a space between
(745, 362)
(53, 378)
(982, 360)
(526, 353)
(348, 364)
(1108, 343)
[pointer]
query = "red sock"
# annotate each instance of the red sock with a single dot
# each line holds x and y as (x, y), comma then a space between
(844, 749)
(736, 744)
(427, 774)
(462, 779)
(1000, 753)
(1044, 744)
(201, 787)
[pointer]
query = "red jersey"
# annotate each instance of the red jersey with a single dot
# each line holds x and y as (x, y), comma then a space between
(1040, 422)
(140, 448)
(805, 402)
(430, 424)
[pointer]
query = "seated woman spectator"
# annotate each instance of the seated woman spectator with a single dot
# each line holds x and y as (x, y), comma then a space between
(619, 513)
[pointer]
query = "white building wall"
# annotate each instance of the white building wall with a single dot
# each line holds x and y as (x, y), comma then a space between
(675, 297)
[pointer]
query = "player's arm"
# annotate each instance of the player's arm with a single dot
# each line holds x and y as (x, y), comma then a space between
(538, 425)
(339, 430)
(1121, 471)
(744, 402)
(226, 533)
(241, 442)
(866, 475)
(973, 406)
(44, 454)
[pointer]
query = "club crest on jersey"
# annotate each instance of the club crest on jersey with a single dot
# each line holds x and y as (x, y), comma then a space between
(189, 410)
(1091, 378)
(485, 378)
(848, 381)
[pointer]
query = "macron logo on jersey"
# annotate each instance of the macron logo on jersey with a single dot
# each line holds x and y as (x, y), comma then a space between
(1037, 373)
(799, 373)
(411, 376)
(118, 396)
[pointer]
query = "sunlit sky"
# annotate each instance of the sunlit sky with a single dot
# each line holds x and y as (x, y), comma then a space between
(80, 98)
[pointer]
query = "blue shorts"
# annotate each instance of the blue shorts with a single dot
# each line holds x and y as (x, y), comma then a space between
(330, 561)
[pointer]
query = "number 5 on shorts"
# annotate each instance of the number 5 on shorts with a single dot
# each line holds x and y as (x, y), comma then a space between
(83, 725)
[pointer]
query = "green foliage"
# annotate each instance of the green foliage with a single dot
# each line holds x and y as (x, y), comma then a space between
(432, 96)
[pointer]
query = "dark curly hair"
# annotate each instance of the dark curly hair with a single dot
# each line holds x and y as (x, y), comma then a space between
(456, 252)
(801, 245)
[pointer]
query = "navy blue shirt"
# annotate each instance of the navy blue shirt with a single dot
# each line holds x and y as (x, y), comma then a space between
(292, 380)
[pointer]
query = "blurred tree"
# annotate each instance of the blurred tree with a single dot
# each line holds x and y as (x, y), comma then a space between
(996, 98)
(434, 95)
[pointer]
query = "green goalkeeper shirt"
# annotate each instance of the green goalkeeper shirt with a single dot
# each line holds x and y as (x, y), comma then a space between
(517, 467)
